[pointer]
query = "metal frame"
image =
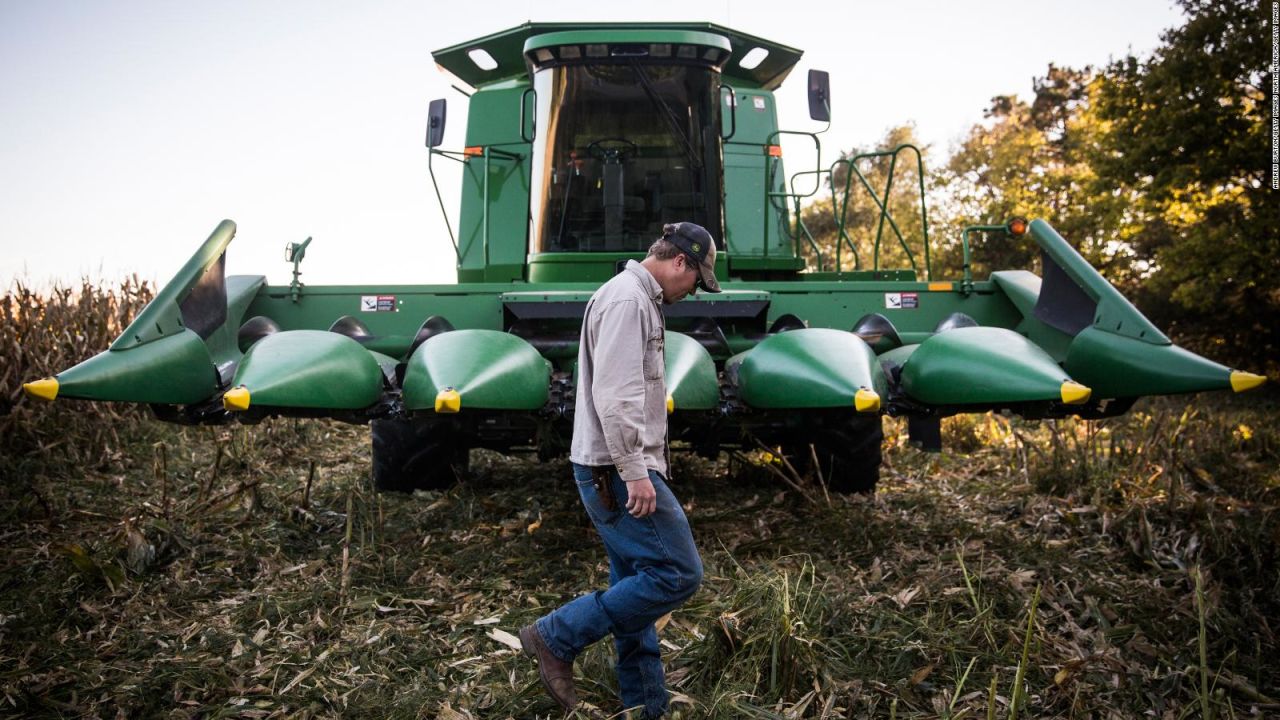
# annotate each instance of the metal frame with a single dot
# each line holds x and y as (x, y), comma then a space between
(840, 216)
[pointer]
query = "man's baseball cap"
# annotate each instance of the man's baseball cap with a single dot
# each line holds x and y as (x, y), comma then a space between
(700, 248)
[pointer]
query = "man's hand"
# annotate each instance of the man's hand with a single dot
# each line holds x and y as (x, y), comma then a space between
(641, 498)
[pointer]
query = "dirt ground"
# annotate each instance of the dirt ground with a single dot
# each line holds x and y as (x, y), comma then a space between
(1057, 569)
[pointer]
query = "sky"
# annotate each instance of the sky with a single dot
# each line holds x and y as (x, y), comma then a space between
(128, 130)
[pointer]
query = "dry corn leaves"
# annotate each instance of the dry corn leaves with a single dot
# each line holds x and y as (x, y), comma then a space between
(179, 583)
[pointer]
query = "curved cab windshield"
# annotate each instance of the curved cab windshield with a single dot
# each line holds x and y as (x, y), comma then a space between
(622, 149)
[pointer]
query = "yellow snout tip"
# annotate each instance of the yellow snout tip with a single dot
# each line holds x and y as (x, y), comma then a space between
(866, 401)
(1240, 381)
(448, 401)
(236, 399)
(46, 389)
(1073, 393)
(671, 404)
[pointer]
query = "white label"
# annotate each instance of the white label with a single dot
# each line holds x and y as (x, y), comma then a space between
(758, 102)
(902, 301)
(368, 303)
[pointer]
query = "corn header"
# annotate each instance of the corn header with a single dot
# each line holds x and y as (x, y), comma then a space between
(582, 140)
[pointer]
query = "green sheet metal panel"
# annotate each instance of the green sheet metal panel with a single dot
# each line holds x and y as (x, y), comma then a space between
(507, 50)
(841, 304)
(241, 291)
(1114, 312)
(162, 316)
(690, 374)
(309, 369)
(592, 267)
(1116, 366)
(570, 267)
(897, 357)
(981, 366)
(626, 36)
(490, 370)
(1023, 290)
(392, 313)
(745, 212)
(172, 370)
(809, 368)
(754, 119)
(493, 228)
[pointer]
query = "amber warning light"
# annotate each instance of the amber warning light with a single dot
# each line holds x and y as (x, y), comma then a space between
(1018, 227)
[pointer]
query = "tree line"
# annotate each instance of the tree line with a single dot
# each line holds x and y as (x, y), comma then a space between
(1158, 170)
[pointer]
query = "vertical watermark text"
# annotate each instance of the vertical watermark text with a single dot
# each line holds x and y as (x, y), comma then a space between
(1275, 94)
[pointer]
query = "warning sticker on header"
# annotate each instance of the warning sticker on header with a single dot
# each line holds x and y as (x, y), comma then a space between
(901, 301)
(377, 303)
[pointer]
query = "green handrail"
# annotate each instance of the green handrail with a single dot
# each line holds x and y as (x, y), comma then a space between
(770, 195)
(462, 157)
(882, 204)
(840, 216)
(843, 238)
(1016, 227)
(799, 220)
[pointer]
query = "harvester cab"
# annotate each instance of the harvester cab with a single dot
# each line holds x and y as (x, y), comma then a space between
(582, 141)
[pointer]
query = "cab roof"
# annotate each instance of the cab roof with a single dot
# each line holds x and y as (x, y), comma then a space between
(506, 48)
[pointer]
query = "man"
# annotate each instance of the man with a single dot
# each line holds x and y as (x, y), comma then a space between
(619, 456)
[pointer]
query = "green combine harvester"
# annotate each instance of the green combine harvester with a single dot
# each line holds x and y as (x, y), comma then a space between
(582, 141)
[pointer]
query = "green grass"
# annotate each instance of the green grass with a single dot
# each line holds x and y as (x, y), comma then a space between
(149, 585)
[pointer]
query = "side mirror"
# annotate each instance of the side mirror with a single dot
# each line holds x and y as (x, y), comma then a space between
(295, 252)
(820, 95)
(435, 123)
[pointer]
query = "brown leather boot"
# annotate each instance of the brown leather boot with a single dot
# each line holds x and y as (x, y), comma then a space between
(556, 674)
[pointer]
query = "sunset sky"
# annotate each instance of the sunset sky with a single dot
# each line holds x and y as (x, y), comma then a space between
(131, 128)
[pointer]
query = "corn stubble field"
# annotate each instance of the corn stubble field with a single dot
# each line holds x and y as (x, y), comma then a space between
(1106, 569)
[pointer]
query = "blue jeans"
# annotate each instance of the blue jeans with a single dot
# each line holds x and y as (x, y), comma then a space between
(653, 568)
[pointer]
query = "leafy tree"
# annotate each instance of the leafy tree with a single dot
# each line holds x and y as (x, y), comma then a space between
(1187, 135)
(1156, 169)
(1035, 160)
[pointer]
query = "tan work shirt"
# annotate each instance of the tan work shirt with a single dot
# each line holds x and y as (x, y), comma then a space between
(620, 415)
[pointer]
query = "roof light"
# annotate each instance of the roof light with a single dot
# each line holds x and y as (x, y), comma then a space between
(1017, 226)
(753, 58)
(711, 55)
(543, 54)
(570, 52)
(597, 50)
(482, 58)
(660, 50)
(687, 52)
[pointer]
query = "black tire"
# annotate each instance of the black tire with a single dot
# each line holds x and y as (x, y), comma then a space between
(848, 455)
(410, 456)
